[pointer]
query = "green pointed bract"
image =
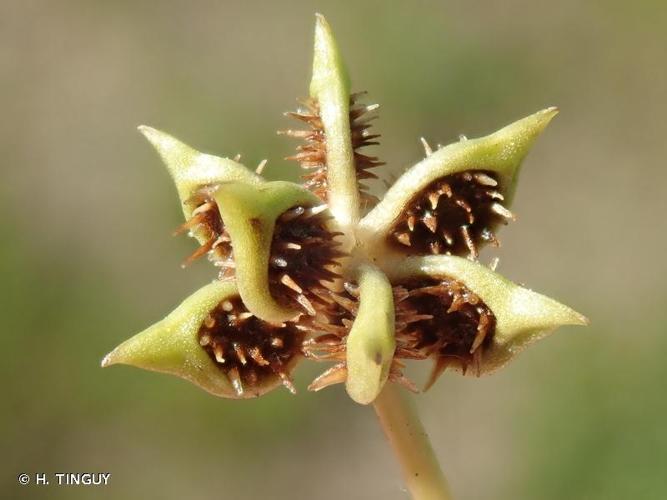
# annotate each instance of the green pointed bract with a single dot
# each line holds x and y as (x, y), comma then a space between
(191, 169)
(370, 343)
(330, 86)
(501, 152)
(522, 316)
(249, 212)
(172, 346)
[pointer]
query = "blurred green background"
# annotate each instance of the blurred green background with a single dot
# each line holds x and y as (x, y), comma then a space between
(87, 258)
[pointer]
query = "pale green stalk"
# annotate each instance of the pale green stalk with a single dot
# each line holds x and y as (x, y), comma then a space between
(405, 432)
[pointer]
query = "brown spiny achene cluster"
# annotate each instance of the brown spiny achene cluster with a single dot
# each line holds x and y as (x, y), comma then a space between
(304, 251)
(248, 350)
(302, 265)
(329, 344)
(312, 155)
(435, 319)
(303, 261)
(453, 215)
(443, 320)
(205, 220)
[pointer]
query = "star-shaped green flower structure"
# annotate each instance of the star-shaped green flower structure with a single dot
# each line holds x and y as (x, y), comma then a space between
(325, 271)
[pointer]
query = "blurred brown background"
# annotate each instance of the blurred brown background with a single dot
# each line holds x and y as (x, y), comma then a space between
(87, 259)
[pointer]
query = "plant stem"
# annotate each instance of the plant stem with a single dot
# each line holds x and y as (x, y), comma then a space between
(400, 422)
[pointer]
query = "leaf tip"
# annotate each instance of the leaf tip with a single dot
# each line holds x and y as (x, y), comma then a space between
(121, 355)
(322, 28)
(532, 125)
(319, 18)
(164, 143)
(107, 360)
(540, 313)
(128, 352)
(578, 319)
(546, 115)
(328, 67)
(153, 135)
